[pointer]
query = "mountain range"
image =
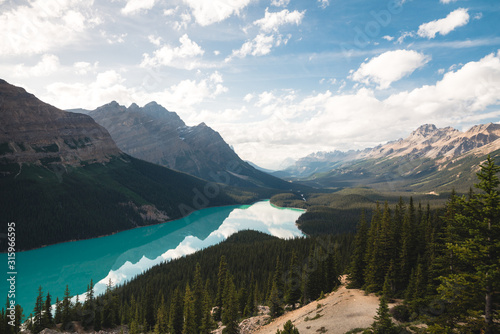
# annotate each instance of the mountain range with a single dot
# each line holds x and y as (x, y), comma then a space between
(62, 178)
(154, 134)
(429, 159)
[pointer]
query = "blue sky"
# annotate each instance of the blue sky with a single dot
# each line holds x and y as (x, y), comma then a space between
(278, 79)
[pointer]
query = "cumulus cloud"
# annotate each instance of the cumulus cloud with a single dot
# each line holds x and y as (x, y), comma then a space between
(447, 1)
(180, 56)
(213, 11)
(41, 26)
(46, 66)
(280, 3)
(269, 35)
(389, 67)
(455, 19)
(259, 46)
(326, 121)
(136, 6)
(272, 21)
(83, 67)
(110, 85)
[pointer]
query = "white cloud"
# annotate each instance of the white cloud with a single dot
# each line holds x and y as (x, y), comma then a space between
(48, 65)
(389, 67)
(113, 38)
(83, 68)
(249, 97)
(280, 3)
(136, 6)
(170, 11)
(324, 3)
(213, 11)
(388, 38)
(183, 23)
(154, 40)
(269, 35)
(455, 19)
(43, 25)
(404, 35)
(259, 46)
(325, 121)
(447, 1)
(110, 85)
(272, 21)
(180, 56)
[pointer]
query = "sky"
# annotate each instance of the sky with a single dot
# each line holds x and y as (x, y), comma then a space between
(278, 79)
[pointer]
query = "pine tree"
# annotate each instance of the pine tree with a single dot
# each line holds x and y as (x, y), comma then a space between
(475, 232)
(383, 323)
(288, 328)
(109, 307)
(176, 319)
(37, 312)
(189, 326)
(275, 303)
(198, 296)
(89, 307)
(78, 310)
(221, 287)
(67, 310)
(161, 326)
(58, 312)
(207, 323)
(358, 263)
(230, 308)
(294, 282)
(47, 320)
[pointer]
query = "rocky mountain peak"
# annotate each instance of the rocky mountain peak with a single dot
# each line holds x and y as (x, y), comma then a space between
(32, 131)
(424, 130)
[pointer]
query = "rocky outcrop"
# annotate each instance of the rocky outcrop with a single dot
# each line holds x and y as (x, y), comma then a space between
(32, 131)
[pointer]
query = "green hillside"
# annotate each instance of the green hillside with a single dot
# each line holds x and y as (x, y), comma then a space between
(55, 203)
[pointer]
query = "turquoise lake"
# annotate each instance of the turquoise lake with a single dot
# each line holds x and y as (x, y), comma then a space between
(123, 255)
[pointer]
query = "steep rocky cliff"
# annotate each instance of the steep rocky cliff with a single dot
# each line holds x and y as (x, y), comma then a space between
(35, 132)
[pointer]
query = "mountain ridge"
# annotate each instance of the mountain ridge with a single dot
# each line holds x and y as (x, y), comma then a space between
(426, 142)
(157, 135)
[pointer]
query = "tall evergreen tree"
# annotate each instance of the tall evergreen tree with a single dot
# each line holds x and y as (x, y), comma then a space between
(189, 326)
(198, 296)
(58, 312)
(383, 323)
(37, 312)
(176, 319)
(476, 247)
(161, 326)
(47, 319)
(230, 308)
(221, 287)
(294, 282)
(89, 307)
(67, 310)
(358, 262)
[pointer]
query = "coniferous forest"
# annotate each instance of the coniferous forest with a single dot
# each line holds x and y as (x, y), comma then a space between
(441, 265)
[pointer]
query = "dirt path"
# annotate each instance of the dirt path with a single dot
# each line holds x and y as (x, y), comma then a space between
(339, 312)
